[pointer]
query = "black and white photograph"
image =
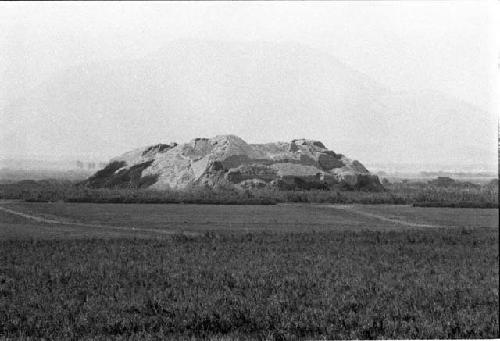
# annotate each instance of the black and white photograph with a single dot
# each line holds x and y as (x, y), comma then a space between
(249, 170)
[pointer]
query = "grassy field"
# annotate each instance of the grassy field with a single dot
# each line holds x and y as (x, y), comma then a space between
(148, 219)
(247, 272)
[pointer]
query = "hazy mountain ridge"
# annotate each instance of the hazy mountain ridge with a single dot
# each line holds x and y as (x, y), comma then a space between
(263, 89)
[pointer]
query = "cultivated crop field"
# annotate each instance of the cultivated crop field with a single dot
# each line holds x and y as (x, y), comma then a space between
(75, 270)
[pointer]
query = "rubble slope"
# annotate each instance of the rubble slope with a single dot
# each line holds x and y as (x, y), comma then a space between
(229, 160)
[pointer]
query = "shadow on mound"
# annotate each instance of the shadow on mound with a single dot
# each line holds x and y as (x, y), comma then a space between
(112, 177)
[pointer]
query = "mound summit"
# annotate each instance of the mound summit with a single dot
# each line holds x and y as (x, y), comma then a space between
(227, 160)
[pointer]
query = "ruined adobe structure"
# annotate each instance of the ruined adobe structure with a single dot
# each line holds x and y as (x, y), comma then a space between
(229, 160)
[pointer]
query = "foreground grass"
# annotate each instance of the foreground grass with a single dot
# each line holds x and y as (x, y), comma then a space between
(336, 285)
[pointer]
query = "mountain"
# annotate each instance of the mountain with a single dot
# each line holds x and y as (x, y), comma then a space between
(228, 160)
(254, 90)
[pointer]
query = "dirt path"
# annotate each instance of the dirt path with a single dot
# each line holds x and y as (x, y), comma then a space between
(61, 221)
(354, 209)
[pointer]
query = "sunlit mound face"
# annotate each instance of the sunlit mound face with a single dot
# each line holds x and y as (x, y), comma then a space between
(230, 161)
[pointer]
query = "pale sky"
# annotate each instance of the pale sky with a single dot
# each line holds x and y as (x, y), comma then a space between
(448, 46)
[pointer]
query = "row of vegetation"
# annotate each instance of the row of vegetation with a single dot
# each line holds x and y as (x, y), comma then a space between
(436, 284)
(418, 194)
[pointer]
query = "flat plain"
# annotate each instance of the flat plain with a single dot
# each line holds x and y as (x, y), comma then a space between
(68, 220)
(74, 270)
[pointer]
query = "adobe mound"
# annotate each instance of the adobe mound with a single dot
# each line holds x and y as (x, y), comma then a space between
(228, 160)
